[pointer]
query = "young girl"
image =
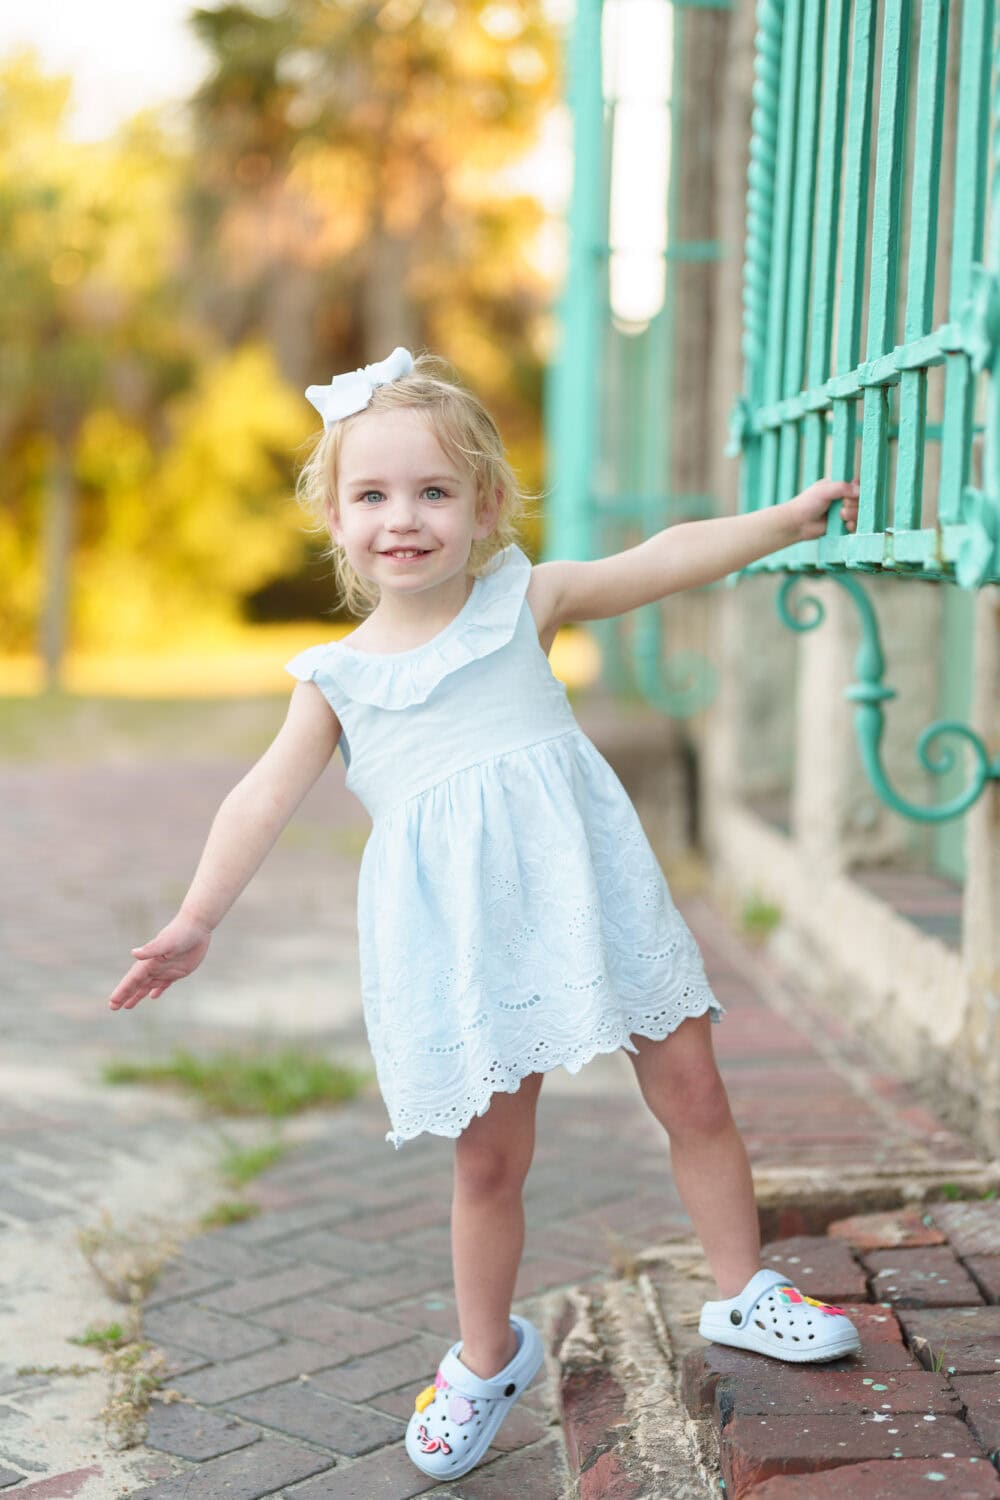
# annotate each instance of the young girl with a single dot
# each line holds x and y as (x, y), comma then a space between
(512, 916)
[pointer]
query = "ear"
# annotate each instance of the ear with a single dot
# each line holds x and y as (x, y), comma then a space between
(489, 514)
(333, 520)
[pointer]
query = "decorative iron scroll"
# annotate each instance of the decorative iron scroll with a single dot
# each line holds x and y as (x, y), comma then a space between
(869, 693)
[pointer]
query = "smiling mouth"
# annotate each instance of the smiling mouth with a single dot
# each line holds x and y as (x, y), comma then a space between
(406, 552)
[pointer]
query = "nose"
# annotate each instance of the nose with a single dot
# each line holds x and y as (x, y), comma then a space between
(401, 517)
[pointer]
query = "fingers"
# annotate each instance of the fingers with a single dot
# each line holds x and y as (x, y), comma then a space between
(138, 982)
(847, 491)
(127, 996)
(839, 489)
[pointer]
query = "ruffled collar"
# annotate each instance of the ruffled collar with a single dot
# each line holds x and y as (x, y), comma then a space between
(486, 621)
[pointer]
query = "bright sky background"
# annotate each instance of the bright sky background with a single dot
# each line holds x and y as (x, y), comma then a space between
(126, 55)
(123, 54)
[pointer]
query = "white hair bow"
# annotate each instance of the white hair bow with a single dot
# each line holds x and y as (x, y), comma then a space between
(352, 392)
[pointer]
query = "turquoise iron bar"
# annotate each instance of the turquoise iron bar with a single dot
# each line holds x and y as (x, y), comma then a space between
(584, 516)
(811, 143)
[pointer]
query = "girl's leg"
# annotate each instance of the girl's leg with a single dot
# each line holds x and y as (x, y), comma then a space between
(680, 1082)
(492, 1157)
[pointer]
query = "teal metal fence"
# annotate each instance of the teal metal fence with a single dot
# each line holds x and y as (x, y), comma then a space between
(853, 100)
(817, 273)
(820, 281)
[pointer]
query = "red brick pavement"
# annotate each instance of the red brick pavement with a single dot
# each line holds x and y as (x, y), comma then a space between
(806, 1094)
(926, 1386)
(301, 1336)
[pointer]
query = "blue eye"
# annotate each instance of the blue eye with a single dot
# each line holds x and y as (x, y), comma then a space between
(432, 490)
(369, 493)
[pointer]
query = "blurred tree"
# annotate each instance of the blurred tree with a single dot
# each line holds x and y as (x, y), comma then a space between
(132, 443)
(348, 192)
(189, 527)
(343, 191)
(83, 322)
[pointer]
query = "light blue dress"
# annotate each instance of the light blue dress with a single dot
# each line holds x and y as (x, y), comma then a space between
(512, 916)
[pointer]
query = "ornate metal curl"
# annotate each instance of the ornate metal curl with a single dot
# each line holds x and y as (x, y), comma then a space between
(869, 693)
(678, 685)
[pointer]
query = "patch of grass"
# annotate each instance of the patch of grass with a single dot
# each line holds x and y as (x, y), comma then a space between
(109, 1337)
(759, 918)
(136, 1371)
(126, 1262)
(282, 1083)
(242, 1163)
(959, 1194)
(228, 1211)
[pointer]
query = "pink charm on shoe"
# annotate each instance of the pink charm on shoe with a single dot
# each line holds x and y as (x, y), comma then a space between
(430, 1444)
(452, 1435)
(792, 1294)
(771, 1316)
(460, 1409)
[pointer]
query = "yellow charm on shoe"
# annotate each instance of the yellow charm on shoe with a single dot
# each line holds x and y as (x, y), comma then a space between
(426, 1397)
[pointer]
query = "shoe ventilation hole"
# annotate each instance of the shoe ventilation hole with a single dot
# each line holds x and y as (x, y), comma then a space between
(760, 1324)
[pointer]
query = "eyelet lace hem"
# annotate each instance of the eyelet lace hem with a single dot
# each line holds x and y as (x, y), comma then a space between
(506, 1077)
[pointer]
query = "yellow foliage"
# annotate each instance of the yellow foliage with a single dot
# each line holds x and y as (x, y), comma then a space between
(187, 531)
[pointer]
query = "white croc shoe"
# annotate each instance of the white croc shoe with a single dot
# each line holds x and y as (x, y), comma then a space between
(457, 1417)
(772, 1317)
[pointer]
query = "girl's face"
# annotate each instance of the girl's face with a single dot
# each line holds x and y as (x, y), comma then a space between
(397, 490)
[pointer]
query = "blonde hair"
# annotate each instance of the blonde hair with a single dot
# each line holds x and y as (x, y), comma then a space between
(468, 435)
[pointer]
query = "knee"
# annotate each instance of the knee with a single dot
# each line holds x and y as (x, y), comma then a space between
(693, 1103)
(488, 1169)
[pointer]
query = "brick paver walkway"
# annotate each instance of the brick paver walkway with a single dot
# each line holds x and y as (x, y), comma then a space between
(345, 1280)
(918, 1411)
(299, 1338)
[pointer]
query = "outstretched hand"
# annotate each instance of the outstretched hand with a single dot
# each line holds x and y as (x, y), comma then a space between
(812, 504)
(172, 954)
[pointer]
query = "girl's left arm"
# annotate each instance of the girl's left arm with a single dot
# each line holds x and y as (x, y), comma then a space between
(690, 554)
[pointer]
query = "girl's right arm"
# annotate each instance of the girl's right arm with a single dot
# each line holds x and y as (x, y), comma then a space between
(244, 829)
